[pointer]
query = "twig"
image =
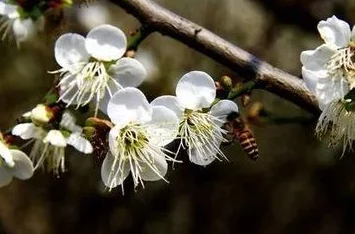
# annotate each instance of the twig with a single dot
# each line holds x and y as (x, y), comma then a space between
(270, 78)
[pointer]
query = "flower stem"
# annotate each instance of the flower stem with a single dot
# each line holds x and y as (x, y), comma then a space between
(138, 37)
(241, 89)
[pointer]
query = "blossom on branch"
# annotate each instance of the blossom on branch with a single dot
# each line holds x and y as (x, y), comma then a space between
(137, 139)
(13, 163)
(329, 72)
(200, 124)
(50, 142)
(16, 21)
(93, 68)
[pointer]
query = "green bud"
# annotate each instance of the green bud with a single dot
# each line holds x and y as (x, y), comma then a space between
(226, 82)
(89, 132)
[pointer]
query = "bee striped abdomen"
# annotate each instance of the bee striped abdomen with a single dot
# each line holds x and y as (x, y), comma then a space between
(247, 142)
(240, 131)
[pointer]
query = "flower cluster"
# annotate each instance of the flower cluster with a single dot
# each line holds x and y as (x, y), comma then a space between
(50, 140)
(95, 72)
(142, 130)
(329, 72)
(23, 18)
(93, 68)
(13, 163)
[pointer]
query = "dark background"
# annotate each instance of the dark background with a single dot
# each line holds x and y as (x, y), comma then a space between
(298, 185)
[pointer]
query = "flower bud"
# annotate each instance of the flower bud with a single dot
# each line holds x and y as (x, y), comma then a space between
(131, 53)
(89, 132)
(41, 114)
(67, 2)
(226, 82)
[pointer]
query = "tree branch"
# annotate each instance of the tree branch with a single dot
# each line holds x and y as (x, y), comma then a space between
(268, 77)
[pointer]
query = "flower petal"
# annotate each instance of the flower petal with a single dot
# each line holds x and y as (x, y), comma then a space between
(196, 90)
(129, 105)
(156, 171)
(329, 89)
(222, 109)
(112, 136)
(353, 34)
(170, 102)
(106, 43)
(325, 88)
(316, 60)
(110, 174)
(27, 131)
(5, 153)
(23, 29)
(5, 176)
(68, 122)
(206, 153)
(80, 143)
(69, 89)
(70, 50)
(310, 79)
(23, 168)
(164, 126)
(201, 160)
(128, 72)
(107, 96)
(11, 11)
(56, 138)
(335, 31)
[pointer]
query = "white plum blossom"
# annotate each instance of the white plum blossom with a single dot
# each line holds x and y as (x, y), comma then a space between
(13, 163)
(329, 72)
(13, 21)
(50, 144)
(200, 124)
(137, 139)
(93, 68)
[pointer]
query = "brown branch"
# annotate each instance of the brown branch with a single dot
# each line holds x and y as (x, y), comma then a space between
(268, 77)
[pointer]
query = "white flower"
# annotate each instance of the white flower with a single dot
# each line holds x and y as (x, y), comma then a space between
(200, 130)
(49, 146)
(22, 28)
(136, 141)
(13, 163)
(329, 72)
(92, 67)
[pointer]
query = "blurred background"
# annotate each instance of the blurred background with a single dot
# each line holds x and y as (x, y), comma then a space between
(298, 185)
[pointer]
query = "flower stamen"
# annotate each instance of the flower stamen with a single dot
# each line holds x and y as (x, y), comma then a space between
(91, 80)
(339, 122)
(341, 65)
(133, 150)
(201, 132)
(53, 155)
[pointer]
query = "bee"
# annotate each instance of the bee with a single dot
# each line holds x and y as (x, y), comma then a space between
(241, 132)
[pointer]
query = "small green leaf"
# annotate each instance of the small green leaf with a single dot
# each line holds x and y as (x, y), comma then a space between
(50, 99)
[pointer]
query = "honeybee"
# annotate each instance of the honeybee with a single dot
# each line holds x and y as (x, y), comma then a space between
(241, 132)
